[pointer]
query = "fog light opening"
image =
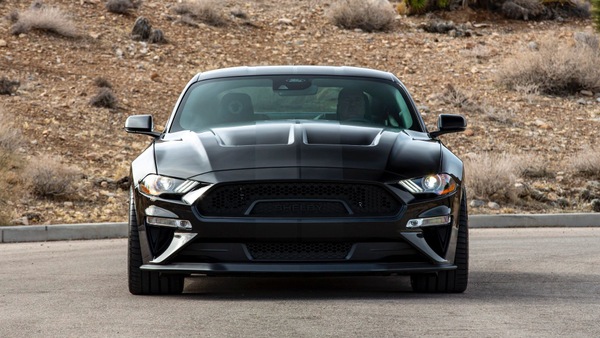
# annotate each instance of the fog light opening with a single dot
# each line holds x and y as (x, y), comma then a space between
(180, 224)
(428, 222)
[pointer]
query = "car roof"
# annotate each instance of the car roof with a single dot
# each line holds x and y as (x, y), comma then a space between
(295, 70)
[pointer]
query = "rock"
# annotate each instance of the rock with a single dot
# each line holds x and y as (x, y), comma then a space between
(469, 132)
(586, 93)
(582, 101)
(3, 43)
(552, 197)
(68, 204)
(20, 221)
(439, 27)
(476, 203)
(533, 45)
(493, 205)
(285, 21)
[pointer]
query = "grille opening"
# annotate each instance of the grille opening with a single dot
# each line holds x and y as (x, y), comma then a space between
(299, 251)
(299, 199)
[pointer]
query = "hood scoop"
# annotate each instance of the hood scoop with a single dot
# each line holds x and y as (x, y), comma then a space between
(341, 135)
(258, 134)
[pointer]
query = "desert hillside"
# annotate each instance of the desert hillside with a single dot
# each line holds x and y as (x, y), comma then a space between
(541, 135)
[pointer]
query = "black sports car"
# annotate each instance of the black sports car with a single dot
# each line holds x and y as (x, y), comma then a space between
(296, 170)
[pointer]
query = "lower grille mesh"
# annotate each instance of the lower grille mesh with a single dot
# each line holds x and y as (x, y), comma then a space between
(299, 251)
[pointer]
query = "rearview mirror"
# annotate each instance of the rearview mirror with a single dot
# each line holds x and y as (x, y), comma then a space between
(141, 124)
(449, 123)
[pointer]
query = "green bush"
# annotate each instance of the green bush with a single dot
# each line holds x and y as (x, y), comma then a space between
(596, 13)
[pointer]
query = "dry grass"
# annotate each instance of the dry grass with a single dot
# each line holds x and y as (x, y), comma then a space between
(10, 138)
(368, 15)
(586, 163)
(45, 19)
(492, 176)
(11, 163)
(466, 101)
(49, 178)
(207, 11)
(555, 67)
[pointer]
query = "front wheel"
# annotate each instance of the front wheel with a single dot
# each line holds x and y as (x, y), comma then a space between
(454, 281)
(145, 282)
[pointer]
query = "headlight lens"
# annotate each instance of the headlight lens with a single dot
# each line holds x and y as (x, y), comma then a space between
(439, 184)
(156, 185)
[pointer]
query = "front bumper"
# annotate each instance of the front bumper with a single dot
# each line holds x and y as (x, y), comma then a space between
(378, 245)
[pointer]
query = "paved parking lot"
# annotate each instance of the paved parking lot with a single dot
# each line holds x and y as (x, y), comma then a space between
(524, 282)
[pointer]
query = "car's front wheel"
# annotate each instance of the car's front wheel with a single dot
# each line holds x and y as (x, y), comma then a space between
(145, 282)
(454, 281)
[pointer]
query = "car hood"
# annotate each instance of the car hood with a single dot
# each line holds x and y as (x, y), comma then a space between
(295, 149)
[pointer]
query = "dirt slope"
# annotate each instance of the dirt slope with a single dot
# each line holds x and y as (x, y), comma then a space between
(57, 82)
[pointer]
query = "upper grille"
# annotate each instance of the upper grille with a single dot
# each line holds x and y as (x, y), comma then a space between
(298, 199)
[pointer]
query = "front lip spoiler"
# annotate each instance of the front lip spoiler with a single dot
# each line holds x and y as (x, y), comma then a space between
(298, 268)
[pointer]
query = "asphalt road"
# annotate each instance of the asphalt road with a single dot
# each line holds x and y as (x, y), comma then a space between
(524, 282)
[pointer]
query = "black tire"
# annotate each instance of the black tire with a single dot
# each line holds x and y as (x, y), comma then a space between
(454, 281)
(144, 282)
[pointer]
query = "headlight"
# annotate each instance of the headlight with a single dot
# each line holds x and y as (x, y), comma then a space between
(439, 184)
(156, 185)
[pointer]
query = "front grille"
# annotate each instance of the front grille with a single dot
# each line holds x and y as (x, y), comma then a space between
(298, 199)
(298, 251)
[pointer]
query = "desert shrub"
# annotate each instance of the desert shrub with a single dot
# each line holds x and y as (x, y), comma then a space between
(11, 163)
(524, 9)
(102, 83)
(586, 163)
(11, 138)
(44, 19)
(141, 29)
(157, 36)
(8, 87)
(368, 15)
(492, 176)
(555, 67)
(121, 6)
(49, 178)
(105, 98)
(207, 11)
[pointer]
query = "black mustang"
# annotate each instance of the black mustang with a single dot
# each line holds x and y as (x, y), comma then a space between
(297, 170)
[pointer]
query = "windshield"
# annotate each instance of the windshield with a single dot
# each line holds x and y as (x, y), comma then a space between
(265, 98)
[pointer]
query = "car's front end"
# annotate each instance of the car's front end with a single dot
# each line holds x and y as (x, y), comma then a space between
(296, 196)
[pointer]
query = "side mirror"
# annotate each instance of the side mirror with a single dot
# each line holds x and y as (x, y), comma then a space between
(449, 123)
(141, 124)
